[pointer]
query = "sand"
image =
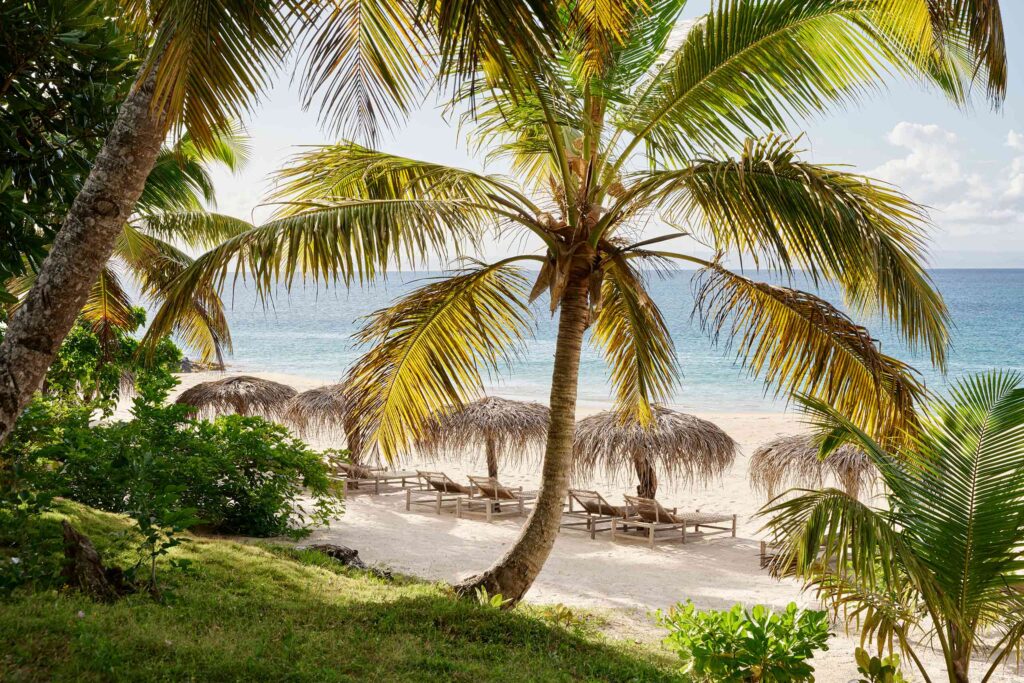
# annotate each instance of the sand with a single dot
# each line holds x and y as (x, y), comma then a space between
(625, 581)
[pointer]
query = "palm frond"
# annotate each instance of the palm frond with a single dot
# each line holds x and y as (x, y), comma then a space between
(365, 63)
(212, 57)
(427, 352)
(790, 215)
(644, 44)
(180, 179)
(968, 502)
(751, 66)
(635, 342)
(802, 344)
(108, 307)
(199, 322)
(352, 171)
(198, 229)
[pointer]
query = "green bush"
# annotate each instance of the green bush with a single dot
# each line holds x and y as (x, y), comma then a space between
(240, 475)
(236, 475)
(878, 670)
(739, 645)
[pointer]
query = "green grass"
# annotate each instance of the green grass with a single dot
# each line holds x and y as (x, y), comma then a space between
(259, 612)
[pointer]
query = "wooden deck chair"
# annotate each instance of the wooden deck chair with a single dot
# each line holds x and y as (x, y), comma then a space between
(356, 476)
(593, 514)
(489, 496)
(438, 490)
(649, 514)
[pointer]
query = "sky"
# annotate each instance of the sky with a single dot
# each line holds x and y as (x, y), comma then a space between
(967, 166)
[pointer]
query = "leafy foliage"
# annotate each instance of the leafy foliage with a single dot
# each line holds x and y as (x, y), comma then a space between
(740, 645)
(946, 542)
(240, 475)
(878, 669)
(66, 68)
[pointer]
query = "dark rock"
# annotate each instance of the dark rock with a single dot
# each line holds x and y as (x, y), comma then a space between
(348, 557)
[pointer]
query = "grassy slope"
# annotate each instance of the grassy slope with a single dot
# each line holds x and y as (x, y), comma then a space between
(260, 613)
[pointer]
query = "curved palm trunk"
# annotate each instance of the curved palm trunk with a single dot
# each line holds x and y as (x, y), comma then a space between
(514, 573)
(492, 459)
(647, 486)
(81, 248)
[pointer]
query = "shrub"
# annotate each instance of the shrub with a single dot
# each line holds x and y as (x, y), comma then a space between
(878, 670)
(746, 645)
(238, 475)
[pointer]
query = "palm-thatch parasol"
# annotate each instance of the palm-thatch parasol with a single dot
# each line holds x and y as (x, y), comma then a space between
(502, 428)
(318, 412)
(244, 395)
(794, 461)
(680, 446)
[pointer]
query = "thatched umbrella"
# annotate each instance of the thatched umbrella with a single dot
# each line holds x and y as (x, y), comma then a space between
(793, 461)
(318, 412)
(244, 395)
(502, 428)
(680, 446)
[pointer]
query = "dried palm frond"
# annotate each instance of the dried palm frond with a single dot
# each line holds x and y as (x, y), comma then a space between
(792, 461)
(243, 395)
(680, 447)
(506, 430)
(318, 412)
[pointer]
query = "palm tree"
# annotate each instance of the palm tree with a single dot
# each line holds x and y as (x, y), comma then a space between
(946, 543)
(621, 126)
(206, 63)
(169, 216)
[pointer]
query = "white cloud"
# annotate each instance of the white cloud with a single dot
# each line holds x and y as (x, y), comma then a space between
(1015, 140)
(932, 163)
(967, 199)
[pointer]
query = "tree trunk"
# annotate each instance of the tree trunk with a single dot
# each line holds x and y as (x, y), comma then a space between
(647, 487)
(513, 574)
(492, 459)
(81, 248)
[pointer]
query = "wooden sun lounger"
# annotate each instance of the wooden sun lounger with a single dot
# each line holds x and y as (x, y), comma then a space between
(438, 491)
(357, 475)
(594, 513)
(490, 495)
(650, 515)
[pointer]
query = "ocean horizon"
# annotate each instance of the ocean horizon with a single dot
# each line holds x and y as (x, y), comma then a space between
(308, 332)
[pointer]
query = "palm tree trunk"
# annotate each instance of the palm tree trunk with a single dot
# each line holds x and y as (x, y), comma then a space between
(492, 458)
(647, 486)
(513, 574)
(81, 248)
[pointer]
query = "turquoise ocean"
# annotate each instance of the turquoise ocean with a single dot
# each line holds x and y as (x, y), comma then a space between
(308, 332)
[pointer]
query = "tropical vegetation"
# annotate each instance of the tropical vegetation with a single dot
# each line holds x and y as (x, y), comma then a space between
(203, 64)
(742, 645)
(940, 557)
(628, 122)
(265, 612)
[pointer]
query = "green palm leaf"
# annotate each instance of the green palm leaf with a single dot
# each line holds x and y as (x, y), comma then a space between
(365, 63)
(953, 527)
(351, 171)
(212, 57)
(344, 241)
(755, 65)
(428, 349)
(108, 307)
(635, 342)
(800, 343)
(199, 321)
(790, 215)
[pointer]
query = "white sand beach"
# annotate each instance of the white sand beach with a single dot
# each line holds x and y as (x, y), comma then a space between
(625, 581)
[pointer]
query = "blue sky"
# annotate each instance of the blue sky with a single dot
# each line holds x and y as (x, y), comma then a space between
(968, 166)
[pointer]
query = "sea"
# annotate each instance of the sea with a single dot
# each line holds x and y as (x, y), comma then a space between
(309, 332)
